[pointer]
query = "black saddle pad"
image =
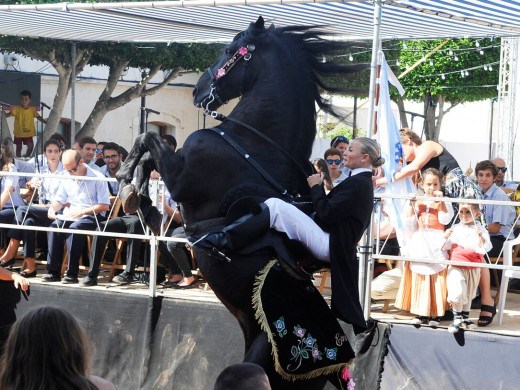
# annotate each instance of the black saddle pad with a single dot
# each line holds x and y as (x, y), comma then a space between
(306, 339)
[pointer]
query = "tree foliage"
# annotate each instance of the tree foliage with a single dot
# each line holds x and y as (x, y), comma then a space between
(440, 81)
(117, 56)
(451, 60)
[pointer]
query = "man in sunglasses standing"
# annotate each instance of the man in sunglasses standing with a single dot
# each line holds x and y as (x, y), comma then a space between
(78, 204)
(504, 185)
(341, 143)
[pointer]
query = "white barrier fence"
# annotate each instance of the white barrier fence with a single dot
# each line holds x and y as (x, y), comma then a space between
(367, 258)
(156, 187)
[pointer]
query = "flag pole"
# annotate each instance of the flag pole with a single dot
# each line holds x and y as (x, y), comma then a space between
(366, 265)
(373, 65)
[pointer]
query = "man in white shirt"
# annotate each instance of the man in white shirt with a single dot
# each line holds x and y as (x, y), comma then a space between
(89, 200)
(88, 147)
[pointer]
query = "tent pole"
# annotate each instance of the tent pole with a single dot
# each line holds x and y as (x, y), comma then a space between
(373, 66)
(73, 96)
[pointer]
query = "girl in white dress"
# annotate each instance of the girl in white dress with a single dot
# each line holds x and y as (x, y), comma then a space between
(423, 286)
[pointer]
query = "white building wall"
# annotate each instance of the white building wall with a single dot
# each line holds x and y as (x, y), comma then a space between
(465, 129)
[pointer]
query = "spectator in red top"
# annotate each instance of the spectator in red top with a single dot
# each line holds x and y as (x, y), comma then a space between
(469, 242)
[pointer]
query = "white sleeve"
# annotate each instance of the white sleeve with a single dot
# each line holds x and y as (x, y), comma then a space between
(446, 217)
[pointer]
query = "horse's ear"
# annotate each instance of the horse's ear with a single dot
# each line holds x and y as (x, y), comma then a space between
(259, 24)
(271, 27)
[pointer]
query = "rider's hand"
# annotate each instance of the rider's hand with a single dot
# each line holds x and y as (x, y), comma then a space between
(315, 179)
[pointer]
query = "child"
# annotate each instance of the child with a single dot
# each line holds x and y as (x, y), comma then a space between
(423, 286)
(469, 241)
(24, 128)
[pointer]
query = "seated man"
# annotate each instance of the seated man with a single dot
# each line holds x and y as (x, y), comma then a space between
(112, 158)
(504, 185)
(500, 221)
(130, 224)
(88, 147)
(84, 203)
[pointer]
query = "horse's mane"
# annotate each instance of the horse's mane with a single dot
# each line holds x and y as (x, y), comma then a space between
(320, 55)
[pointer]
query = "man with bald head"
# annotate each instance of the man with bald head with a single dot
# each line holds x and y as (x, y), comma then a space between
(78, 204)
(504, 185)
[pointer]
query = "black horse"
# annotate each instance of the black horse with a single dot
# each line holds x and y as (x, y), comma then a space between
(278, 73)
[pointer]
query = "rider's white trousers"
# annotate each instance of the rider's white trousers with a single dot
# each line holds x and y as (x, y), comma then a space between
(288, 219)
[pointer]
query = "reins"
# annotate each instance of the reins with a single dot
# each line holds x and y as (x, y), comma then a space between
(266, 175)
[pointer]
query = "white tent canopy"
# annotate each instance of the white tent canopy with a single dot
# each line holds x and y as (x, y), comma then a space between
(220, 20)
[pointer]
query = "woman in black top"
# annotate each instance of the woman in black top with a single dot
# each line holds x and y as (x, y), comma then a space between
(421, 155)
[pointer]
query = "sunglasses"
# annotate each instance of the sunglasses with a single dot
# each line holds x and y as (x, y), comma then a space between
(339, 139)
(99, 150)
(337, 162)
(503, 169)
(73, 170)
(111, 157)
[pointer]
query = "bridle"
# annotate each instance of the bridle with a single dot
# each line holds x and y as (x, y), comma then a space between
(246, 54)
(243, 52)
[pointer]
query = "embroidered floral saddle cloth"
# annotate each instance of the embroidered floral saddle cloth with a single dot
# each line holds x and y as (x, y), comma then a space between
(306, 338)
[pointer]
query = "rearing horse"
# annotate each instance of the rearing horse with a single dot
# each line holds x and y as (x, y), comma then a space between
(278, 73)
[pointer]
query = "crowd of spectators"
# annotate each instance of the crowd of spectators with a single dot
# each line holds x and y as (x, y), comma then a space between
(492, 225)
(67, 198)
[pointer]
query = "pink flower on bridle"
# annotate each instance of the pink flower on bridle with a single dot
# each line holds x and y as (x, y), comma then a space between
(242, 52)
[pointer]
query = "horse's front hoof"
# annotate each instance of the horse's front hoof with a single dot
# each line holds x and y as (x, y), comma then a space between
(130, 199)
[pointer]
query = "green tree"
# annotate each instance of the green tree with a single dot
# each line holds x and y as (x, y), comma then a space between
(117, 56)
(437, 81)
(457, 73)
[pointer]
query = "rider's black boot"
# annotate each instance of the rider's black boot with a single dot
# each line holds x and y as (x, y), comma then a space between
(239, 233)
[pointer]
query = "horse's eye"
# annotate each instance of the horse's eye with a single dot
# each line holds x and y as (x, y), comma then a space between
(228, 51)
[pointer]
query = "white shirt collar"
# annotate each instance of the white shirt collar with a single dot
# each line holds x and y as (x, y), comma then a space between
(357, 171)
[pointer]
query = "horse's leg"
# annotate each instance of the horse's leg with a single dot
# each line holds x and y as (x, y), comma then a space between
(167, 162)
(152, 216)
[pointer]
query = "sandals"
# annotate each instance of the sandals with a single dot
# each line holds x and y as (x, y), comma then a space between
(486, 320)
(26, 274)
(193, 284)
(7, 263)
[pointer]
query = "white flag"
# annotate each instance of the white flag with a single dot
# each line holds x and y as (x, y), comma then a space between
(392, 150)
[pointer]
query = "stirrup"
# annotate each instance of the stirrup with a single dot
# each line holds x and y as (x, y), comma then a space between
(205, 245)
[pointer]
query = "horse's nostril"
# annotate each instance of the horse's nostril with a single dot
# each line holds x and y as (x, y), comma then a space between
(194, 91)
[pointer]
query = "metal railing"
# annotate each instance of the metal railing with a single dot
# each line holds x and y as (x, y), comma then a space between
(369, 257)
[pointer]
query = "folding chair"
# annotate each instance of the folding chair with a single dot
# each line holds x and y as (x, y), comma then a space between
(510, 255)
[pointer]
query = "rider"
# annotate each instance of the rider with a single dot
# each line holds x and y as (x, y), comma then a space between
(340, 220)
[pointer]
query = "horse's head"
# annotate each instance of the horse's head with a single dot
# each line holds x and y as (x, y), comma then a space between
(226, 79)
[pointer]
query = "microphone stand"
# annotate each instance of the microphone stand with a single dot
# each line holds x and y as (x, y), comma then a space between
(148, 111)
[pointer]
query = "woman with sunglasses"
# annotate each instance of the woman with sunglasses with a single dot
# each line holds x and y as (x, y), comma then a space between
(341, 218)
(334, 159)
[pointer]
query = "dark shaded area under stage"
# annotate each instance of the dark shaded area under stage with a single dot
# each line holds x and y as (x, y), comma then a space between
(164, 343)
(161, 343)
